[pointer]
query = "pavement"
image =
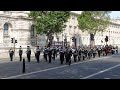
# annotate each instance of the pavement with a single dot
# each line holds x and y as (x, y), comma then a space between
(106, 67)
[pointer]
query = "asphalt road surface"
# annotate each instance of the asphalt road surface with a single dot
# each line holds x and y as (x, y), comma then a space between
(107, 67)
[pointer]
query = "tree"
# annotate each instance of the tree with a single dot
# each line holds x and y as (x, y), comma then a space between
(49, 22)
(93, 21)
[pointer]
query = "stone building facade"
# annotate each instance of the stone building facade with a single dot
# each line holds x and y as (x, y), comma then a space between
(17, 24)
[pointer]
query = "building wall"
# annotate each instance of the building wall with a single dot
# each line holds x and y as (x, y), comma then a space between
(19, 27)
(21, 30)
(83, 38)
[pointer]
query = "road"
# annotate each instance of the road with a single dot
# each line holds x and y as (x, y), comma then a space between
(106, 67)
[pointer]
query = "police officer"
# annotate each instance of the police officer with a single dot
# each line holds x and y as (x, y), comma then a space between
(28, 52)
(37, 53)
(62, 53)
(49, 54)
(20, 53)
(11, 53)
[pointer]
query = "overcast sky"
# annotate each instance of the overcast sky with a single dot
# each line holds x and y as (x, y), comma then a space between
(115, 14)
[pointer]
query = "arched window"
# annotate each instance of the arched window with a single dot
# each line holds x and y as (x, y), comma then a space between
(6, 27)
(32, 30)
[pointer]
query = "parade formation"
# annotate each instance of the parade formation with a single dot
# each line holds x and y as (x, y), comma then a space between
(66, 53)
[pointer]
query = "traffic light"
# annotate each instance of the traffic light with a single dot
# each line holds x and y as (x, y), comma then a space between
(15, 41)
(73, 38)
(12, 40)
(106, 39)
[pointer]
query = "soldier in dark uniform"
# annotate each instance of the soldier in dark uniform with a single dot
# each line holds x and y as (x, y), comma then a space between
(106, 50)
(20, 53)
(68, 55)
(45, 53)
(94, 53)
(62, 53)
(86, 53)
(116, 49)
(89, 54)
(11, 53)
(103, 51)
(28, 52)
(99, 52)
(49, 54)
(75, 53)
(37, 53)
(54, 52)
(79, 54)
(83, 54)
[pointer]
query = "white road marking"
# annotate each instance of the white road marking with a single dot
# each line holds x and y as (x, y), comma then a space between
(105, 70)
(49, 69)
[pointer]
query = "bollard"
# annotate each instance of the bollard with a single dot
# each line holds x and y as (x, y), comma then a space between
(23, 65)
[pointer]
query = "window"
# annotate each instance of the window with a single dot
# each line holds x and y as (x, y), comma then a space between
(32, 30)
(6, 27)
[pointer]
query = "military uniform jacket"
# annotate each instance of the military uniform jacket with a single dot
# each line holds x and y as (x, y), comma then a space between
(61, 52)
(37, 52)
(45, 51)
(49, 52)
(83, 53)
(75, 53)
(11, 52)
(79, 52)
(28, 52)
(20, 51)
(53, 50)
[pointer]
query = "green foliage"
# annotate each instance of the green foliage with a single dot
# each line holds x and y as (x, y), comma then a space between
(49, 21)
(91, 20)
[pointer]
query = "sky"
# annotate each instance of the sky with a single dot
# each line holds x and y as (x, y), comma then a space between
(115, 14)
